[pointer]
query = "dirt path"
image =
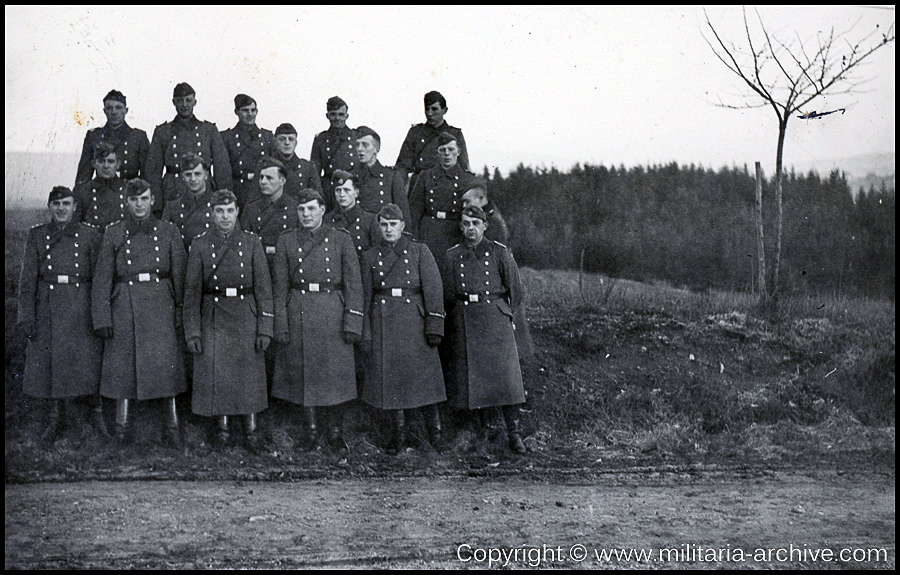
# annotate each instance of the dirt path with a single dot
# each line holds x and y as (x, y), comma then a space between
(709, 519)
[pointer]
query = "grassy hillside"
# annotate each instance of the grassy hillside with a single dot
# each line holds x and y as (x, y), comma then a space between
(624, 371)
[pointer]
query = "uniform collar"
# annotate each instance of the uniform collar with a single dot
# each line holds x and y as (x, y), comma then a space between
(339, 131)
(123, 128)
(145, 226)
(374, 169)
(66, 229)
(398, 248)
(190, 122)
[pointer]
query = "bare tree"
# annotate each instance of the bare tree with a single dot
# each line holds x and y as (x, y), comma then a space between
(789, 75)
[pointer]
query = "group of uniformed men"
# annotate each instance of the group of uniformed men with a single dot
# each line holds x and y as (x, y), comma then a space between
(219, 243)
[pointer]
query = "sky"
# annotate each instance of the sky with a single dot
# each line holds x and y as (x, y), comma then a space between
(544, 86)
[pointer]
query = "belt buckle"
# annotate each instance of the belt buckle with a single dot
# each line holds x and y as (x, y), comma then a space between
(62, 279)
(397, 292)
(313, 287)
(442, 215)
(473, 297)
(143, 277)
(270, 249)
(230, 292)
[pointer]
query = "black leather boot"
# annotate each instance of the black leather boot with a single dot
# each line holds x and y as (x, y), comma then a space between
(251, 434)
(223, 431)
(99, 422)
(511, 414)
(124, 417)
(172, 430)
(433, 424)
(336, 429)
(54, 422)
(398, 439)
(312, 428)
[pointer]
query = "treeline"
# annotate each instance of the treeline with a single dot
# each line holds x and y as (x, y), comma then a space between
(691, 226)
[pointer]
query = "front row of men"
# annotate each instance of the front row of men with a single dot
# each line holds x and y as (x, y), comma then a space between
(336, 301)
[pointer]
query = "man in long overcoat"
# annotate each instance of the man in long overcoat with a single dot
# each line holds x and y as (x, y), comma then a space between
(335, 148)
(404, 324)
(318, 317)
(435, 202)
(378, 185)
(131, 144)
(191, 212)
(228, 321)
(136, 306)
(246, 144)
(101, 200)
(54, 311)
(481, 292)
(301, 173)
(173, 139)
(419, 149)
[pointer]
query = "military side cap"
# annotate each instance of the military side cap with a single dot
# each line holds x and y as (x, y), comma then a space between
(183, 89)
(435, 96)
(223, 198)
(270, 162)
(285, 129)
(308, 195)
(445, 138)
(136, 187)
(363, 131)
(341, 176)
(335, 103)
(475, 212)
(58, 193)
(390, 212)
(242, 100)
(116, 96)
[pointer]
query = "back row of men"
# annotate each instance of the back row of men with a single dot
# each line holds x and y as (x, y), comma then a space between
(233, 154)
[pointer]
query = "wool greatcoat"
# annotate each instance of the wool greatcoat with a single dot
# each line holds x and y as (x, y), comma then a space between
(403, 298)
(269, 220)
(481, 291)
(435, 206)
(301, 174)
(171, 141)
(380, 186)
(332, 150)
(132, 149)
(245, 146)
(191, 214)
(227, 304)
(362, 225)
(318, 295)
(138, 289)
(100, 202)
(419, 150)
(63, 356)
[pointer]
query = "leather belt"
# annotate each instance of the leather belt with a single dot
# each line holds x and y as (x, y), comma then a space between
(229, 292)
(142, 277)
(477, 298)
(397, 292)
(317, 287)
(65, 279)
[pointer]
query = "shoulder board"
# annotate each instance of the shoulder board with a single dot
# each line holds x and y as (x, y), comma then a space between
(201, 234)
(286, 232)
(499, 244)
(36, 226)
(91, 226)
(454, 247)
(249, 233)
(341, 230)
(92, 130)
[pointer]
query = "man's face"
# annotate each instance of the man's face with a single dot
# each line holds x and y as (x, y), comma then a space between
(310, 214)
(195, 178)
(434, 114)
(107, 166)
(367, 150)
(139, 206)
(391, 230)
(61, 210)
(247, 114)
(225, 217)
(271, 181)
(448, 154)
(473, 198)
(286, 144)
(184, 105)
(338, 118)
(346, 194)
(472, 229)
(115, 112)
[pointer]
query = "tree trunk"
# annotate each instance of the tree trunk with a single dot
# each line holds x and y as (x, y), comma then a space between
(760, 244)
(779, 177)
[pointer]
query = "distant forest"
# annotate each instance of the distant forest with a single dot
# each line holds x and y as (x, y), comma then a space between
(694, 227)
